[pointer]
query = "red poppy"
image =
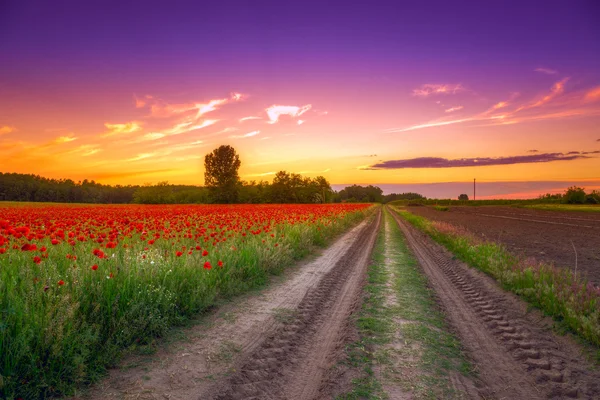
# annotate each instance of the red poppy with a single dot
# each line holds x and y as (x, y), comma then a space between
(179, 254)
(205, 253)
(37, 260)
(220, 263)
(207, 265)
(55, 242)
(61, 282)
(94, 267)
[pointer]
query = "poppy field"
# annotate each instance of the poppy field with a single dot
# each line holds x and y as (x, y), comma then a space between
(78, 284)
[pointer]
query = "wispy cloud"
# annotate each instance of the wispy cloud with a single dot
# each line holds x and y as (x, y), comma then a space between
(117, 129)
(557, 89)
(247, 135)
(85, 150)
(437, 162)
(533, 151)
(64, 139)
(180, 128)
(555, 104)
(141, 156)
(593, 94)
(429, 125)
(262, 174)
(160, 108)
(452, 109)
(249, 118)
(6, 129)
(276, 111)
(547, 71)
(434, 89)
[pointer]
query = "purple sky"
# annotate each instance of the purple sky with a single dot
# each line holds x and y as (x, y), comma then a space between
(114, 91)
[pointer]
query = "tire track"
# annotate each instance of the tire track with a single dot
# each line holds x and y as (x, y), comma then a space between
(292, 362)
(516, 358)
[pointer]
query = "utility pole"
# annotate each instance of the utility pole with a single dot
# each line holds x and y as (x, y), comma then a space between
(473, 188)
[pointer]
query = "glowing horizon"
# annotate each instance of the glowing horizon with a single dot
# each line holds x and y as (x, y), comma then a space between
(376, 106)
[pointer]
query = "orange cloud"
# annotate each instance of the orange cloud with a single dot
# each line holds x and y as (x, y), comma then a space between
(141, 156)
(433, 89)
(276, 111)
(116, 129)
(6, 129)
(452, 109)
(593, 94)
(64, 139)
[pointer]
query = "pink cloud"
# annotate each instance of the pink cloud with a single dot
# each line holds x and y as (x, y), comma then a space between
(434, 89)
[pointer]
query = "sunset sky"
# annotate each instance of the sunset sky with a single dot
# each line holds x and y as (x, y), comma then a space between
(372, 93)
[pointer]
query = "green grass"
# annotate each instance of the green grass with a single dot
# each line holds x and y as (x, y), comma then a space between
(56, 338)
(573, 302)
(452, 202)
(441, 208)
(565, 207)
(430, 351)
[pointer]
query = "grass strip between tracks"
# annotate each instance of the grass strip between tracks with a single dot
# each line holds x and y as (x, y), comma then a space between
(403, 333)
(558, 292)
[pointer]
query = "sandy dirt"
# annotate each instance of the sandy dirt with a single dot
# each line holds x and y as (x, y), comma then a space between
(545, 235)
(280, 344)
(516, 354)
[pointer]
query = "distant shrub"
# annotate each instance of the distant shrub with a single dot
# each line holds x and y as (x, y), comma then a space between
(575, 195)
(463, 197)
(441, 208)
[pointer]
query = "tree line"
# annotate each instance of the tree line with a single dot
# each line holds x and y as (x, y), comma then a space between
(222, 184)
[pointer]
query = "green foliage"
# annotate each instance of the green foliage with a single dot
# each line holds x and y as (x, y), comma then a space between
(574, 195)
(360, 194)
(403, 196)
(441, 208)
(163, 193)
(26, 187)
(221, 174)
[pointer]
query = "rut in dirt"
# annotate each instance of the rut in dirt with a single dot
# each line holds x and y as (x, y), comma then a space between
(293, 361)
(516, 356)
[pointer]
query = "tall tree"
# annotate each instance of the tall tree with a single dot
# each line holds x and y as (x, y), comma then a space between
(221, 174)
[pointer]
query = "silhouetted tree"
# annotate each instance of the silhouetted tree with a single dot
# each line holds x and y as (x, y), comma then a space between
(463, 197)
(221, 174)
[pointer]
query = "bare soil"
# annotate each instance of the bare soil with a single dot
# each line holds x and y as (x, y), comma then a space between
(280, 344)
(548, 236)
(516, 353)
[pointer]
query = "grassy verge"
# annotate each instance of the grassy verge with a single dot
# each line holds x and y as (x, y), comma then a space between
(565, 207)
(403, 334)
(572, 301)
(65, 320)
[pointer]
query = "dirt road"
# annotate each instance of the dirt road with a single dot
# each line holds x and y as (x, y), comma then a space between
(279, 345)
(283, 342)
(516, 355)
